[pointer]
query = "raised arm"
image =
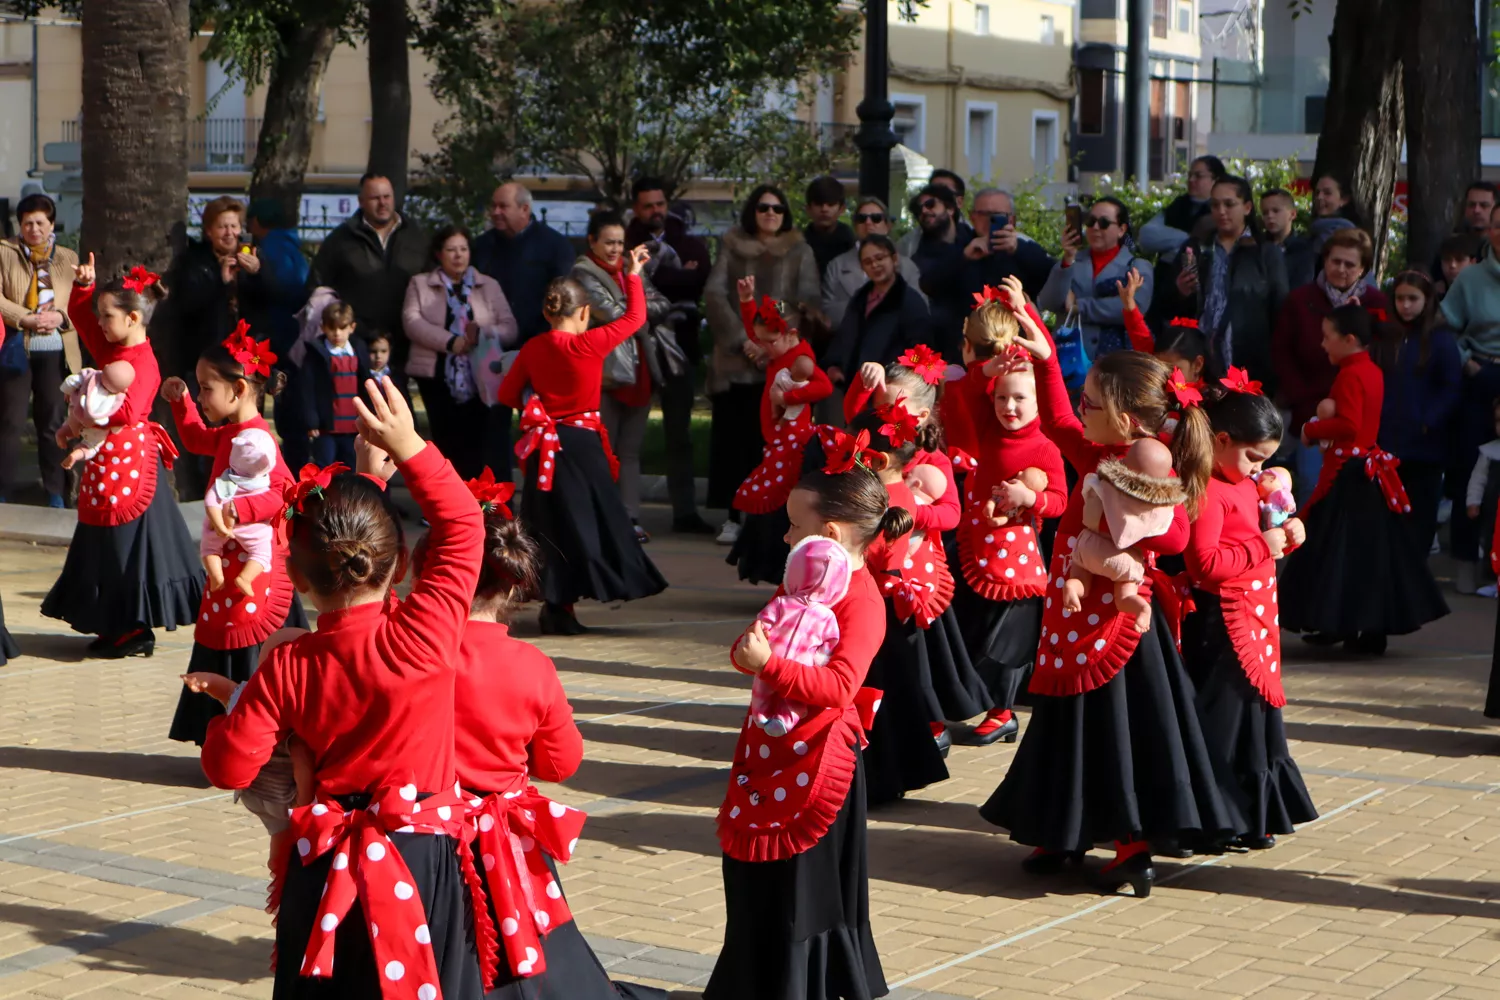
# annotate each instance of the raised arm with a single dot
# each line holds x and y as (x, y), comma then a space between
(1055, 409)
(197, 437)
(1139, 333)
(603, 339)
(81, 312)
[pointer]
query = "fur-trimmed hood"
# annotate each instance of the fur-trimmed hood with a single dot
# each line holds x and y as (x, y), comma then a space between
(1167, 492)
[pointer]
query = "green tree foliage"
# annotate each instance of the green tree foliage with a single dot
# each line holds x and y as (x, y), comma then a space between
(615, 89)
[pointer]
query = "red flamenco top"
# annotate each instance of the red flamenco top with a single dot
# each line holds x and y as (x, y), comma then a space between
(818, 387)
(912, 571)
(118, 483)
(371, 692)
(1358, 391)
(784, 792)
(566, 370)
(1228, 556)
(769, 484)
(1084, 650)
(934, 518)
(226, 618)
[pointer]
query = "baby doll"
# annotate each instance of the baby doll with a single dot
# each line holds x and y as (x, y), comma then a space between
(94, 395)
(1127, 501)
(927, 484)
(800, 624)
(252, 457)
(1275, 487)
(1326, 410)
(795, 377)
(1032, 478)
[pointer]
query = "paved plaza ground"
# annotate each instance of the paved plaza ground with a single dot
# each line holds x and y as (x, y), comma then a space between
(122, 874)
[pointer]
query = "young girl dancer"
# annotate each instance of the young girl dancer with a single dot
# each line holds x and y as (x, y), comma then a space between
(1113, 750)
(1004, 569)
(233, 380)
(371, 693)
(786, 422)
(1232, 642)
(792, 825)
(589, 545)
(132, 566)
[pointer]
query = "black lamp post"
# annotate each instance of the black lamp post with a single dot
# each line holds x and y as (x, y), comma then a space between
(875, 138)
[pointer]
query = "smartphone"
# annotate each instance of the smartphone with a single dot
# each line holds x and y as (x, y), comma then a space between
(1073, 218)
(244, 248)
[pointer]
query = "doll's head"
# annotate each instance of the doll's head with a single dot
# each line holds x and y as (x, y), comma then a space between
(927, 483)
(1149, 457)
(1033, 479)
(117, 376)
(817, 570)
(802, 369)
(1273, 479)
(252, 453)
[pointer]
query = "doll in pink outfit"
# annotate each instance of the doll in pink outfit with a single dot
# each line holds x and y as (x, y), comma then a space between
(800, 624)
(252, 457)
(1126, 501)
(94, 395)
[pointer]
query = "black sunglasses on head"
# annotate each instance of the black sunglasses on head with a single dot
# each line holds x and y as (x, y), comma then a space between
(772, 207)
(869, 217)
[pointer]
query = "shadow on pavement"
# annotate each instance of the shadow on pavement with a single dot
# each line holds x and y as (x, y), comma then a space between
(145, 768)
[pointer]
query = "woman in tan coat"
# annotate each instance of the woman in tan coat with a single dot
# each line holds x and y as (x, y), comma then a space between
(41, 348)
(767, 246)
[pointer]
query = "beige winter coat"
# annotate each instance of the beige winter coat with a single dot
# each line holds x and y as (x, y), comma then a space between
(15, 279)
(784, 268)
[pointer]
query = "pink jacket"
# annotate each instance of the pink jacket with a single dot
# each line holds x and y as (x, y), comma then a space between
(426, 310)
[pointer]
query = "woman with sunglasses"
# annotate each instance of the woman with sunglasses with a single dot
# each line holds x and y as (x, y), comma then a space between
(766, 246)
(845, 275)
(1087, 281)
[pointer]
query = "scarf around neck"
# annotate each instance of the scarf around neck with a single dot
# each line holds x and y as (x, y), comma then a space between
(1337, 298)
(456, 372)
(40, 259)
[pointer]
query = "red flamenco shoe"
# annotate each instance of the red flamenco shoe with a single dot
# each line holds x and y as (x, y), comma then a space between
(999, 726)
(1131, 866)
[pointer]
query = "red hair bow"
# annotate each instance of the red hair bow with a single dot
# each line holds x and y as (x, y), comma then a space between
(493, 497)
(768, 314)
(1378, 314)
(1239, 381)
(311, 481)
(900, 426)
(139, 279)
(255, 356)
(991, 293)
(1185, 321)
(926, 362)
(842, 451)
(1187, 393)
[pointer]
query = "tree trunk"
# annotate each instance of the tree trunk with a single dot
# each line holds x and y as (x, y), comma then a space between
(292, 95)
(388, 37)
(1441, 73)
(1361, 140)
(134, 134)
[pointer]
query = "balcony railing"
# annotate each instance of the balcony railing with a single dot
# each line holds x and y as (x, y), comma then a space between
(214, 144)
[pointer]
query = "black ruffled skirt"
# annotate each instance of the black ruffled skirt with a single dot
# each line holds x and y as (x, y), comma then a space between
(573, 971)
(8, 648)
(799, 928)
(1492, 699)
(144, 574)
(1359, 570)
(1244, 733)
(1001, 637)
(434, 865)
(589, 548)
(951, 687)
(761, 551)
(902, 756)
(194, 710)
(1127, 760)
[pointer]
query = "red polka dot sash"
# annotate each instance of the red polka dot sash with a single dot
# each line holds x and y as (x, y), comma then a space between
(515, 829)
(539, 434)
(119, 482)
(1380, 466)
(913, 573)
(766, 489)
(367, 866)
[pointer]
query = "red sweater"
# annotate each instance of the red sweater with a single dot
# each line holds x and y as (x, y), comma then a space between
(936, 517)
(1358, 391)
(1003, 454)
(216, 442)
(1302, 367)
(141, 396)
(861, 618)
(566, 369)
(372, 690)
(513, 719)
(1226, 542)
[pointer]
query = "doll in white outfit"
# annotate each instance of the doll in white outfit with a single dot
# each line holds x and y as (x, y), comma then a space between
(94, 395)
(252, 458)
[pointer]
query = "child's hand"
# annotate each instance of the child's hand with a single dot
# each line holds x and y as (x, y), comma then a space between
(313, 434)
(173, 389)
(1296, 532)
(1473, 512)
(1275, 541)
(746, 287)
(753, 651)
(1017, 495)
(639, 257)
(83, 274)
(388, 423)
(1132, 284)
(872, 373)
(372, 460)
(990, 506)
(216, 686)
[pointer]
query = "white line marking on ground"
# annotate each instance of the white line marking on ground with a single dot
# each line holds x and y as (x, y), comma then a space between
(111, 818)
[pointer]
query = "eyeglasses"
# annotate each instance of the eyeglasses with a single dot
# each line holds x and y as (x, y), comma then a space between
(1098, 222)
(1085, 404)
(875, 217)
(772, 207)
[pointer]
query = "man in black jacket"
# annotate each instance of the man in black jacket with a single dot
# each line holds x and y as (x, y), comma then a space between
(369, 260)
(939, 255)
(999, 250)
(524, 255)
(679, 269)
(826, 233)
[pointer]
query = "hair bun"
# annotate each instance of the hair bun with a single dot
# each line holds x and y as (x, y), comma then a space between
(353, 562)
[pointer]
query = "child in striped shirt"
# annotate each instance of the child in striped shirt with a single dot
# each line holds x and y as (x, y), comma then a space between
(337, 364)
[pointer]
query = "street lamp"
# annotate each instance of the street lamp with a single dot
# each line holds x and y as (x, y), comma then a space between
(875, 138)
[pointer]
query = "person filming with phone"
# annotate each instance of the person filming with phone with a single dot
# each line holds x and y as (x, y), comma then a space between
(1000, 250)
(1085, 283)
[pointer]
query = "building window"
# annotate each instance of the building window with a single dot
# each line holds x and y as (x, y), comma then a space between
(1044, 130)
(910, 121)
(1185, 18)
(979, 146)
(1049, 30)
(1161, 17)
(1091, 97)
(981, 19)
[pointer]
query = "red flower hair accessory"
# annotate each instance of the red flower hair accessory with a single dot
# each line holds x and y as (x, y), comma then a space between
(926, 362)
(240, 339)
(311, 481)
(768, 314)
(492, 496)
(1187, 393)
(1239, 381)
(1378, 314)
(901, 425)
(842, 451)
(139, 279)
(991, 293)
(255, 356)
(1184, 321)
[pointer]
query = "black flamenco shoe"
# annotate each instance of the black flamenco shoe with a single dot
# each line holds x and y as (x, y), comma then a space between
(1249, 842)
(559, 621)
(139, 643)
(1322, 639)
(1041, 862)
(101, 644)
(944, 743)
(1366, 644)
(1135, 871)
(1003, 733)
(1172, 847)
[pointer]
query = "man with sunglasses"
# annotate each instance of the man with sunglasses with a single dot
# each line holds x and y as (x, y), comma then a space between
(939, 256)
(844, 275)
(999, 250)
(827, 236)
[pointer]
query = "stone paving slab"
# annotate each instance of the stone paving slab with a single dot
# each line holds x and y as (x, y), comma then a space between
(122, 874)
